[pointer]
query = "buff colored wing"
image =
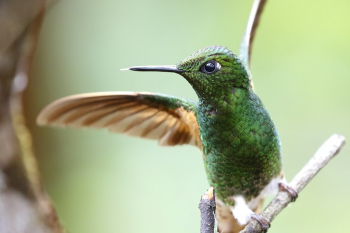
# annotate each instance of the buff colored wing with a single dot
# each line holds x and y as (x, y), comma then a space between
(168, 119)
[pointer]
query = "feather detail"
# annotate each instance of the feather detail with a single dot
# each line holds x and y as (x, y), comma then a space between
(168, 119)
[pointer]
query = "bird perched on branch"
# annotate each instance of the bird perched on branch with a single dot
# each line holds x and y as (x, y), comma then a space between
(229, 124)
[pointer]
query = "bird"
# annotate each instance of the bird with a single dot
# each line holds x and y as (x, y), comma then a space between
(229, 124)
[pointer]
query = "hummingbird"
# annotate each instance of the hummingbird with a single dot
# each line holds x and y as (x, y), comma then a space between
(229, 124)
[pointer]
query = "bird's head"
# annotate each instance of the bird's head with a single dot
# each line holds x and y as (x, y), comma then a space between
(211, 71)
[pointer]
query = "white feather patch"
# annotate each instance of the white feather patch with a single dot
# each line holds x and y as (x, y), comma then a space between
(269, 190)
(241, 211)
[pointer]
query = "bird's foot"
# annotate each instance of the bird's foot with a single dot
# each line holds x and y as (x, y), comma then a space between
(292, 192)
(263, 222)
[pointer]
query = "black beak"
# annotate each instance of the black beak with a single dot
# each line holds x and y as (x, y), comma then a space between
(171, 68)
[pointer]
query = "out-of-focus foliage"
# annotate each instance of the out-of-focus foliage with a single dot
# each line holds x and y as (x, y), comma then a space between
(101, 182)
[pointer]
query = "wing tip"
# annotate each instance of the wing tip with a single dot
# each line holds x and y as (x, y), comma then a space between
(41, 120)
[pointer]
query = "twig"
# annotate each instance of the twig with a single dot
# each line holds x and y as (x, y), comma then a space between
(247, 42)
(207, 207)
(323, 155)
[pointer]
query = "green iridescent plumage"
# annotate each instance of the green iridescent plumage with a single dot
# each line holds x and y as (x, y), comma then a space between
(170, 102)
(240, 142)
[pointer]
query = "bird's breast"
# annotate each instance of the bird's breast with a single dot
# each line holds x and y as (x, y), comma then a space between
(240, 146)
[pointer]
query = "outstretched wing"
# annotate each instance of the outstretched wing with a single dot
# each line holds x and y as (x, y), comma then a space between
(168, 119)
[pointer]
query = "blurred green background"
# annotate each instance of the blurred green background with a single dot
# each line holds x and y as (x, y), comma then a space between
(102, 182)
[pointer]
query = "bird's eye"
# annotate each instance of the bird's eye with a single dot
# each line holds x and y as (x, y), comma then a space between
(210, 67)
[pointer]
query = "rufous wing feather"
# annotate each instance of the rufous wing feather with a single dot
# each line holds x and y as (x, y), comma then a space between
(168, 119)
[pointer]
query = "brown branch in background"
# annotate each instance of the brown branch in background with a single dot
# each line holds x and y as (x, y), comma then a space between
(24, 205)
(323, 155)
(207, 207)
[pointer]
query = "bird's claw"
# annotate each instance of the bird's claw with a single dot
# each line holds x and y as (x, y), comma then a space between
(263, 222)
(292, 192)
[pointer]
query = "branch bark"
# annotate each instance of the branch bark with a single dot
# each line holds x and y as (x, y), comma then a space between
(323, 155)
(207, 207)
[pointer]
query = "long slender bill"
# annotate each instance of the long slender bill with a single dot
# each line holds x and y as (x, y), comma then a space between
(169, 68)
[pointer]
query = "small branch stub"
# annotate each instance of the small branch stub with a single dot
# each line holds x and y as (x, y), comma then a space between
(207, 207)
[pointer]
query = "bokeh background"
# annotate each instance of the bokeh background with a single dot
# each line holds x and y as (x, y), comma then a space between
(102, 182)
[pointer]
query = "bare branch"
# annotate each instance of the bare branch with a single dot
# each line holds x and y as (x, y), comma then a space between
(323, 155)
(247, 42)
(207, 207)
